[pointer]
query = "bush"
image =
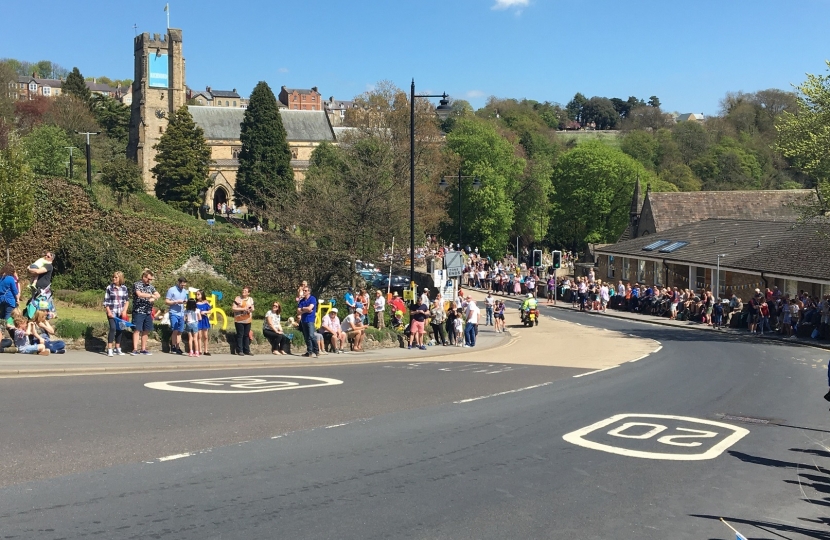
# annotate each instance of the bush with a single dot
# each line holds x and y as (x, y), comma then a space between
(69, 329)
(89, 299)
(89, 261)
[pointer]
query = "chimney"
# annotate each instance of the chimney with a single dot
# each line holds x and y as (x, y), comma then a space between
(314, 89)
(207, 88)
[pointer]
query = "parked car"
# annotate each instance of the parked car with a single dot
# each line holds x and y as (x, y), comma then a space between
(367, 271)
(399, 283)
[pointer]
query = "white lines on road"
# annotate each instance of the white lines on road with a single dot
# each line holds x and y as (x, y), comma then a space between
(338, 425)
(503, 393)
(176, 456)
(595, 371)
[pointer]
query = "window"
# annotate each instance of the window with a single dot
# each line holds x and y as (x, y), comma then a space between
(32, 87)
(294, 153)
(295, 107)
(235, 151)
(47, 91)
(641, 271)
(234, 103)
(658, 274)
(626, 268)
(610, 273)
(313, 108)
(700, 277)
(161, 129)
(199, 101)
(226, 103)
(313, 98)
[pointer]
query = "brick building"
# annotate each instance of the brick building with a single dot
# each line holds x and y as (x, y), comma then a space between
(301, 99)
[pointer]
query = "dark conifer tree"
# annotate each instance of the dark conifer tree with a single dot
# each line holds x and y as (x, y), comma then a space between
(75, 85)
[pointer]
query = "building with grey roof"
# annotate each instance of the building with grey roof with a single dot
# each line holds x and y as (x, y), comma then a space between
(305, 130)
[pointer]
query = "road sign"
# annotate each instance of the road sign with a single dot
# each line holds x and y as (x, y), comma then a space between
(454, 263)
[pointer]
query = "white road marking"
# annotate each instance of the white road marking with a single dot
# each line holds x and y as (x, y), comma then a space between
(247, 384)
(337, 425)
(729, 435)
(503, 393)
(595, 371)
(176, 456)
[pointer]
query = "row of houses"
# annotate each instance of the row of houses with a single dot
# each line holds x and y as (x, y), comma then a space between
(28, 87)
(724, 241)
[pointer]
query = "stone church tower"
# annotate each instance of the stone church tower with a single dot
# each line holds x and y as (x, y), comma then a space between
(158, 90)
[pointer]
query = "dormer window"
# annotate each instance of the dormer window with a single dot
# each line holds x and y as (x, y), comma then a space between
(32, 86)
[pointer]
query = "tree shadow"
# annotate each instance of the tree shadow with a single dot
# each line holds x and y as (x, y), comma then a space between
(774, 462)
(776, 529)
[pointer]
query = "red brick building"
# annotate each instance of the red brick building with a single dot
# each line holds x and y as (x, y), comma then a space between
(300, 99)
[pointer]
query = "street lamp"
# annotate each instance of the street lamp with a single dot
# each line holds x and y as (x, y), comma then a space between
(88, 158)
(443, 110)
(443, 184)
(71, 161)
(717, 276)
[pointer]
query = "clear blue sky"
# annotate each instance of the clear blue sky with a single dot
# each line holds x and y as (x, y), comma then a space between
(689, 54)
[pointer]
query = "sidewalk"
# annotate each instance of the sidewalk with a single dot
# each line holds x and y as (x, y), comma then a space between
(688, 325)
(85, 362)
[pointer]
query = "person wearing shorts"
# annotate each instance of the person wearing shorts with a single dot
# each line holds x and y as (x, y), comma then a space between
(144, 294)
(176, 298)
(417, 326)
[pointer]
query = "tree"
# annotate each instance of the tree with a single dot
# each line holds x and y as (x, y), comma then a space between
(654, 101)
(182, 163)
(45, 150)
(574, 107)
(487, 214)
(71, 114)
(642, 146)
(18, 209)
(265, 172)
(31, 112)
(692, 140)
(113, 116)
(75, 85)
(594, 185)
(804, 138)
(7, 77)
(601, 112)
(123, 176)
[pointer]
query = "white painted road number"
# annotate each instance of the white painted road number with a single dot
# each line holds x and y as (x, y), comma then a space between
(643, 436)
(244, 385)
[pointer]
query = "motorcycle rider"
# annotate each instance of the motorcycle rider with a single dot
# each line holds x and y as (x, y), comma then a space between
(529, 304)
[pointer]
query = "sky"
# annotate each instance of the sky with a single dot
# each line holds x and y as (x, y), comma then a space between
(687, 53)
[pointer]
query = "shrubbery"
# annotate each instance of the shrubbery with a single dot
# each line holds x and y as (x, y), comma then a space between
(89, 261)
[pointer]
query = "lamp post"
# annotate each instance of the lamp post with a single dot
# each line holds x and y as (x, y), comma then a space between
(443, 184)
(88, 157)
(717, 276)
(71, 161)
(443, 110)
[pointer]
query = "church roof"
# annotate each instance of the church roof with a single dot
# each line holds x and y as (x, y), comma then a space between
(673, 209)
(223, 123)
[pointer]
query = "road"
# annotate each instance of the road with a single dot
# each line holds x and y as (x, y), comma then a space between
(493, 447)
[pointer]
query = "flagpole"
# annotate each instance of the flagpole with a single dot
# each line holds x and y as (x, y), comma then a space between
(167, 10)
(738, 535)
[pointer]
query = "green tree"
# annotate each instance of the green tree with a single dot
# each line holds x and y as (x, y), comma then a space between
(594, 185)
(728, 166)
(654, 101)
(601, 112)
(692, 140)
(680, 175)
(804, 138)
(45, 150)
(16, 181)
(182, 163)
(7, 77)
(642, 146)
(113, 116)
(75, 85)
(123, 176)
(488, 213)
(575, 106)
(265, 173)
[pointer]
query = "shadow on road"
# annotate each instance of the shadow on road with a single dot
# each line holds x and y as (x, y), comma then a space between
(769, 527)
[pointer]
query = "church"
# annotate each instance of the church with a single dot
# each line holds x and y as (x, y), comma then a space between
(160, 88)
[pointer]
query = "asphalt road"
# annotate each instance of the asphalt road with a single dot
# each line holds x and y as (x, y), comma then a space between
(408, 451)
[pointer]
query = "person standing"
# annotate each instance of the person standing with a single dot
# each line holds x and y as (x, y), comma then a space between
(203, 337)
(144, 294)
(116, 302)
(307, 312)
(176, 298)
(438, 320)
(41, 272)
(380, 310)
(9, 293)
(243, 316)
(489, 306)
(471, 329)
(350, 300)
(417, 321)
(273, 332)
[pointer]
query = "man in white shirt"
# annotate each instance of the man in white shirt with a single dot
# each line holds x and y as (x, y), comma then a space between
(331, 325)
(425, 297)
(489, 304)
(472, 314)
(380, 309)
(354, 328)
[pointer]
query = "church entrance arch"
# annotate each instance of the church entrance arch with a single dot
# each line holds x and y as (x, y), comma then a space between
(220, 197)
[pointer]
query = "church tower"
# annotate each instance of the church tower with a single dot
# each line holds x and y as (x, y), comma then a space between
(158, 90)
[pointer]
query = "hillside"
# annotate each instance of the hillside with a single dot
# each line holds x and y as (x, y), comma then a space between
(93, 236)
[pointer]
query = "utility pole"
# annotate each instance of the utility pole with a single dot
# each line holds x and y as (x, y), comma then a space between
(71, 161)
(88, 155)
